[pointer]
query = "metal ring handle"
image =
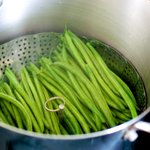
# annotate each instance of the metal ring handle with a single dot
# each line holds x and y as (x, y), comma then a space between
(60, 107)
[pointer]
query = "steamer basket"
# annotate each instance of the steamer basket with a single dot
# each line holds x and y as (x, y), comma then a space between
(23, 50)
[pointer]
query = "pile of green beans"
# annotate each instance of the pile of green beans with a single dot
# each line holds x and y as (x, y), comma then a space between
(95, 97)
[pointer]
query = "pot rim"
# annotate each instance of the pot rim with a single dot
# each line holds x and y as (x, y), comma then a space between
(122, 127)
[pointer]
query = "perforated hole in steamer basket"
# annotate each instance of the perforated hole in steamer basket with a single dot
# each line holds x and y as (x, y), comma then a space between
(30, 48)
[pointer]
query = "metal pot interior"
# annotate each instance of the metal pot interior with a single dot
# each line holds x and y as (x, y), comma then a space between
(122, 24)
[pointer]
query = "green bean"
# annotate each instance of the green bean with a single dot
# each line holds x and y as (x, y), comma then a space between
(3, 117)
(32, 105)
(34, 122)
(98, 122)
(46, 62)
(101, 73)
(124, 85)
(20, 106)
(62, 74)
(64, 54)
(113, 104)
(87, 60)
(73, 125)
(72, 47)
(120, 115)
(54, 122)
(83, 88)
(36, 98)
(91, 116)
(7, 104)
(116, 99)
(124, 94)
(127, 113)
(42, 99)
(32, 89)
(96, 96)
(65, 78)
(106, 97)
(68, 92)
(91, 62)
(116, 84)
(81, 94)
(89, 73)
(25, 85)
(63, 130)
(16, 112)
(69, 105)
(34, 68)
(85, 101)
(69, 126)
(7, 113)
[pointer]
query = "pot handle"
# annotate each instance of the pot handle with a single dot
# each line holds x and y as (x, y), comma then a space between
(131, 133)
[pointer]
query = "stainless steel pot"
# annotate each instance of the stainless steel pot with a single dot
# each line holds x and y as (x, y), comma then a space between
(121, 24)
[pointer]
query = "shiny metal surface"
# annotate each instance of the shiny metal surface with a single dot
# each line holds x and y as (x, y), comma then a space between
(123, 24)
(1, 2)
